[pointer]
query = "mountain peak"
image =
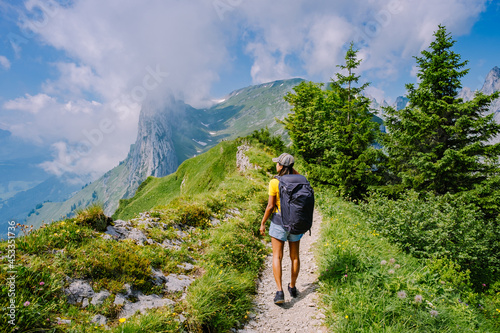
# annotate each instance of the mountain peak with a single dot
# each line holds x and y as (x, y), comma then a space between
(492, 81)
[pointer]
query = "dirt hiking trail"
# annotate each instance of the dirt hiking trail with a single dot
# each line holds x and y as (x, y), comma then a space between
(301, 314)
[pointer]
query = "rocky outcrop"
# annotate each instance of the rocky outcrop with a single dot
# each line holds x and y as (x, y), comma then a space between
(492, 81)
(153, 153)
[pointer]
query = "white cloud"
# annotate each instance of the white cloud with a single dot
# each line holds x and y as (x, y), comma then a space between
(121, 52)
(31, 104)
(114, 41)
(388, 33)
(87, 137)
(4, 62)
(376, 93)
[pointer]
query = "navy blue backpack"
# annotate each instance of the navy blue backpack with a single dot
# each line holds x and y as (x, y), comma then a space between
(297, 204)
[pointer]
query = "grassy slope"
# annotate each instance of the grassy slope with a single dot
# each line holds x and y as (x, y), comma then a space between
(252, 108)
(194, 176)
(360, 284)
(227, 257)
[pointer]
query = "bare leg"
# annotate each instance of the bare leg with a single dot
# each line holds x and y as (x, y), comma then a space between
(277, 258)
(294, 257)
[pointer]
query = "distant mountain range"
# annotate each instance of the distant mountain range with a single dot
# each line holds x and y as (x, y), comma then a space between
(170, 132)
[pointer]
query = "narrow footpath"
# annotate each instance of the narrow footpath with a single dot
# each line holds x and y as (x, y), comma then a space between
(300, 314)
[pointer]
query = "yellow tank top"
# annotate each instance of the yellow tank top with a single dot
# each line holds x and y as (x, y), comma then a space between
(274, 191)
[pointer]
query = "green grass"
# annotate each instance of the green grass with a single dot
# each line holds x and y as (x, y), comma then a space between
(227, 257)
(197, 175)
(369, 285)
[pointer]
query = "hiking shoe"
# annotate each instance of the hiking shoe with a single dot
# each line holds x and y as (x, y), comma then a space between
(279, 298)
(292, 291)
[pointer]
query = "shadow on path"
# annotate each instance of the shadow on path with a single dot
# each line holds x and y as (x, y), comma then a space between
(311, 288)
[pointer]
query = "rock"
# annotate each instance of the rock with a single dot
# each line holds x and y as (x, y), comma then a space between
(158, 277)
(63, 321)
(144, 303)
(128, 290)
(100, 297)
(120, 299)
(182, 318)
(234, 211)
(121, 223)
(242, 161)
(186, 266)
(99, 319)
(172, 244)
(181, 234)
(177, 283)
(137, 236)
(85, 302)
(78, 290)
(111, 231)
(213, 221)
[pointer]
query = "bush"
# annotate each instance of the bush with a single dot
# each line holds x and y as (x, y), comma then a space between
(264, 136)
(104, 261)
(93, 216)
(57, 235)
(219, 300)
(439, 226)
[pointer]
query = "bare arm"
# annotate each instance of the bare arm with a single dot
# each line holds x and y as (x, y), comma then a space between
(271, 203)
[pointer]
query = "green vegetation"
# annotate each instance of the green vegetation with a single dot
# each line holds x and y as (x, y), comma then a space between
(442, 227)
(200, 174)
(422, 253)
(334, 132)
(370, 285)
(218, 208)
(440, 143)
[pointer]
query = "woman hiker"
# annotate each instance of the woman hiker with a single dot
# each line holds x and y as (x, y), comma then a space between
(284, 166)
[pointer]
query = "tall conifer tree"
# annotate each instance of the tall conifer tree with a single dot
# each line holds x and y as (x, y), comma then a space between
(440, 143)
(333, 130)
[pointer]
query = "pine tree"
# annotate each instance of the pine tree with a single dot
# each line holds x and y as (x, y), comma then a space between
(333, 130)
(440, 143)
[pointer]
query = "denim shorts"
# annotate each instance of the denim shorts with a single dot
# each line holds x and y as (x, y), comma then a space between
(278, 232)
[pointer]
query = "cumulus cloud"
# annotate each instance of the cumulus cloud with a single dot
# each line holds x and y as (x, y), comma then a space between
(4, 62)
(388, 33)
(122, 52)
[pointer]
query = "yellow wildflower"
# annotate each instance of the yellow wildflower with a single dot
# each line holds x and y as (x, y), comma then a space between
(122, 320)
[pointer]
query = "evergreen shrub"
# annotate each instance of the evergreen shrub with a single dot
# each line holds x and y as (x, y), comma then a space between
(94, 217)
(445, 226)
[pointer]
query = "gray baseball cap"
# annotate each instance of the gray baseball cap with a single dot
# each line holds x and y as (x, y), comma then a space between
(284, 159)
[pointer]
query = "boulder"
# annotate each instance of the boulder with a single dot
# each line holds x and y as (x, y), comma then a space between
(99, 319)
(144, 303)
(78, 290)
(177, 283)
(186, 266)
(100, 297)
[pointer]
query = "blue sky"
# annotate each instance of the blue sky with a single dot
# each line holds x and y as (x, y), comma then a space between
(68, 68)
